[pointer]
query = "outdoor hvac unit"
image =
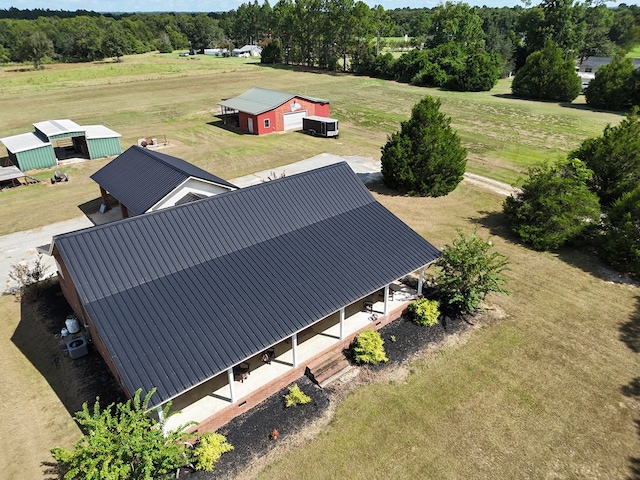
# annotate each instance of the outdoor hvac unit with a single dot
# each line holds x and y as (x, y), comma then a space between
(77, 347)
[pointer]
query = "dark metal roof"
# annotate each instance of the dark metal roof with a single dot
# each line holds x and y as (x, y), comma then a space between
(139, 178)
(182, 294)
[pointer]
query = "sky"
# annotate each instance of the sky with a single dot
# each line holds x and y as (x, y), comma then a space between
(212, 5)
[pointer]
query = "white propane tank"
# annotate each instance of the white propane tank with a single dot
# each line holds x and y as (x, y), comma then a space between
(73, 326)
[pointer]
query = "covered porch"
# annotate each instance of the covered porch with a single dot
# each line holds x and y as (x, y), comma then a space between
(218, 400)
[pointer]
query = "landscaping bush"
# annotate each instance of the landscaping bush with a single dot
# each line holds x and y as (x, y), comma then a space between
(424, 311)
(369, 348)
(296, 396)
(209, 449)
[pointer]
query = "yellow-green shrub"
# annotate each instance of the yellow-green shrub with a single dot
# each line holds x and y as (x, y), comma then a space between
(209, 449)
(424, 311)
(369, 348)
(296, 396)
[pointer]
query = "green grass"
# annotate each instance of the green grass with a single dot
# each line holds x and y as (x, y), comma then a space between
(634, 52)
(535, 395)
(165, 96)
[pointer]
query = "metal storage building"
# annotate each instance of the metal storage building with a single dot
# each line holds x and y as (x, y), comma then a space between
(51, 140)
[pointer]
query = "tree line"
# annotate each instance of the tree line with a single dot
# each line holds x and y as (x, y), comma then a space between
(331, 34)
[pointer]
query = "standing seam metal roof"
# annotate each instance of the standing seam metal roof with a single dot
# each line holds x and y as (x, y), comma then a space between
(139, 178)
(259, 100)
(181, 295)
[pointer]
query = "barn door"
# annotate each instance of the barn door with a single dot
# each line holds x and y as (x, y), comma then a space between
(250, 124)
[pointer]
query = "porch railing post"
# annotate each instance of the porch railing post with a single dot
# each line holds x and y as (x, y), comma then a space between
(342, 323)
(420, 280)
(294, 349)
(386, 299)
(232, 387)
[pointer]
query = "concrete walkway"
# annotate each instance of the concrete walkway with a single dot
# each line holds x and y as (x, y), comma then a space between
(21, 247)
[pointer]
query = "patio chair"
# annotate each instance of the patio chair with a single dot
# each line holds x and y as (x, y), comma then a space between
(268, 355)
(241, 371)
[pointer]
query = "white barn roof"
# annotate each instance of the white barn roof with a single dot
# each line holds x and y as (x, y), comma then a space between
(23, 142)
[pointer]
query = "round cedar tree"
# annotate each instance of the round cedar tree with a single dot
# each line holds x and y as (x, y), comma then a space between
(614, 159)
(546, 75)
(612, 88)
(554, 206)
(425, 157)
(621, 246)
(272, 53)
(480, 74)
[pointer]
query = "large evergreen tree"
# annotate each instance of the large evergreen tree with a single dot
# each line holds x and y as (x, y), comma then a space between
(554, 206)
(425, 157)
(622, 233)
(546, 75)
(613, 86)
(614, 159)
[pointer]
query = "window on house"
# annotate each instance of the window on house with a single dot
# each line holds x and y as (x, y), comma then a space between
(266, 123)
(588, 69)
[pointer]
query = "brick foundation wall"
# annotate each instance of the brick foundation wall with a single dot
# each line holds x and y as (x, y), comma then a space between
(247, 402)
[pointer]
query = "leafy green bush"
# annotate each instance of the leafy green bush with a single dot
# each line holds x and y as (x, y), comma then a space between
(369, 348)
(468, 273)
(122, 441)
(209, 449)
(424, 311)
(296, 396)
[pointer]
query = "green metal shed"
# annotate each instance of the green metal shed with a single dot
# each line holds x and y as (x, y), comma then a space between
(60, 138)
(28, 151)
(102, 141)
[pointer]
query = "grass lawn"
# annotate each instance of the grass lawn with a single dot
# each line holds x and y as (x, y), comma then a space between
(537, 395)
(174, 98)
(545, 393)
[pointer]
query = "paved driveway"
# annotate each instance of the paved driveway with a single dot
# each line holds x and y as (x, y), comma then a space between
(22, 247)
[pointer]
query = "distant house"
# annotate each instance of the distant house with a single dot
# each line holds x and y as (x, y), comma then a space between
(247, 51)
(261, 110)
(197, 300)
(589, 66)
(143, 181)
(55, 140)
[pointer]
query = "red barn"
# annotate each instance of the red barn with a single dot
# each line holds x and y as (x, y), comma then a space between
(261, 110)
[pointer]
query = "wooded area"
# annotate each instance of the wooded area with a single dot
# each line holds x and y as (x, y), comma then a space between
(332, 34)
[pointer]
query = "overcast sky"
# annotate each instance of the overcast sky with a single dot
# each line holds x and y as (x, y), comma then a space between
(211, 5)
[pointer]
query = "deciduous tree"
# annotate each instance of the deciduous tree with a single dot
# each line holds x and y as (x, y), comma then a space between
(469, 271)
(121, 442)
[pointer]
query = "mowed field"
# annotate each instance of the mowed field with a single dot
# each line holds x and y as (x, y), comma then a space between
(550, 391)
(173, 98)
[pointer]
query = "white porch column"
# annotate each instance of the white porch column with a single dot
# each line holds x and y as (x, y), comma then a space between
(386, 299)
(342, 323)
(232, 387)
(161, 419)
(294, 349)
(420, 280)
